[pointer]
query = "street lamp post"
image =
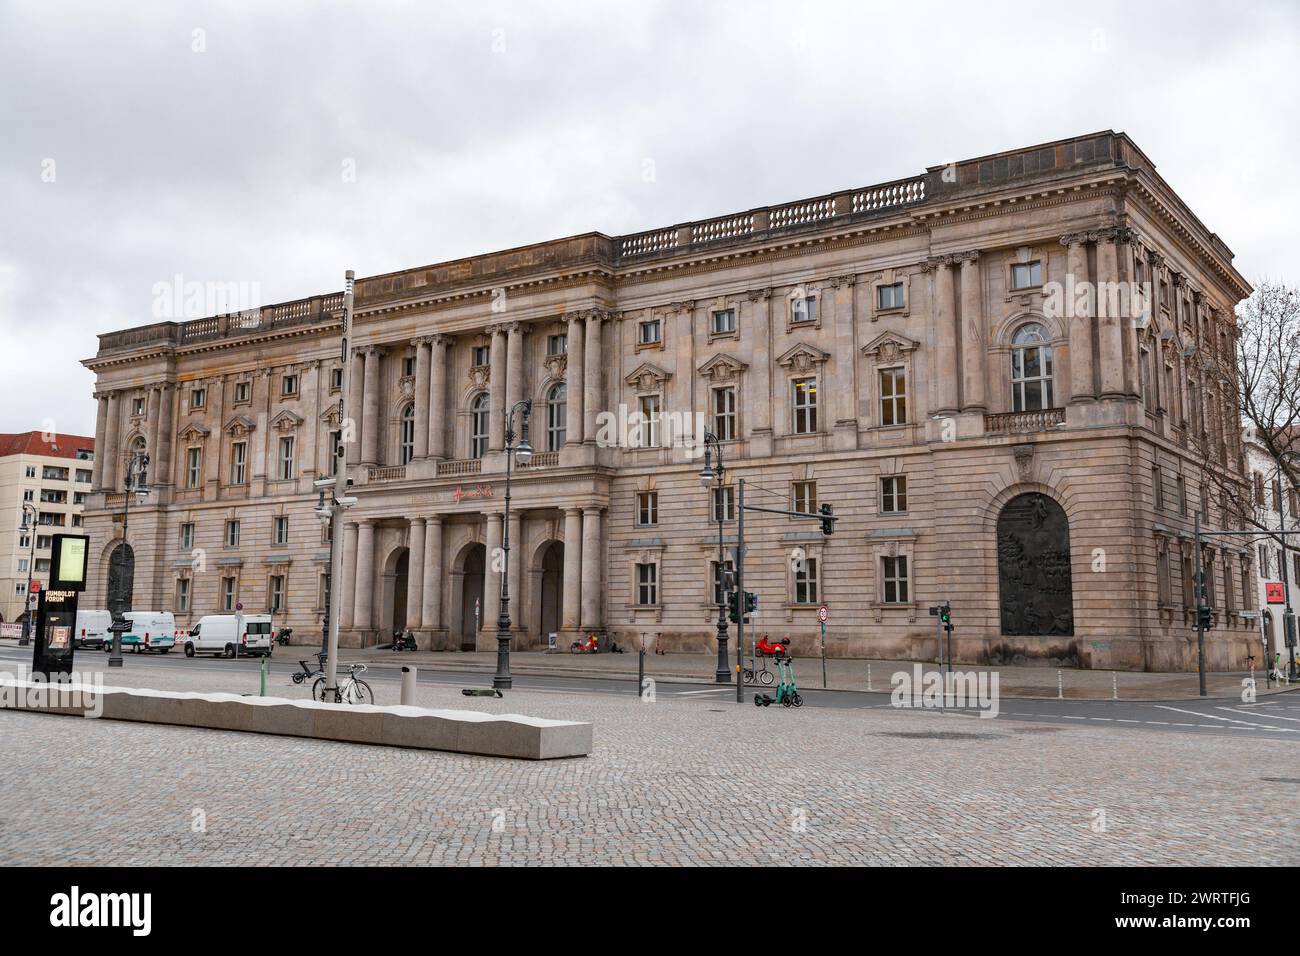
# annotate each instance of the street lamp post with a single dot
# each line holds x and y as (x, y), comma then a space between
(134, 483)
(31, 568)
(524, 450)
(710, 473)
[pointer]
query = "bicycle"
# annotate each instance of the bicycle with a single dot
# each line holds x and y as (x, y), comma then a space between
(306, 672)
(351, 689)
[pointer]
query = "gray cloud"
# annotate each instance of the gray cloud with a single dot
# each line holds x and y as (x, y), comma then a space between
(479, 126)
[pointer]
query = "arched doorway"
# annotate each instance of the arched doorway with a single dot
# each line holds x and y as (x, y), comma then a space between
(401, 568)
(121, 578)
(473, 611)
(551, 590)
(1036, 594)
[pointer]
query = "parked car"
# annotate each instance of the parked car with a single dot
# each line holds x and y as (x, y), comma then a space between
(220, 635)
(92, 628)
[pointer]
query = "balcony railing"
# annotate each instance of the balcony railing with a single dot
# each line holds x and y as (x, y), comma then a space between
(386, 473)
(543, 459)
(460, 466)
(1017, 423)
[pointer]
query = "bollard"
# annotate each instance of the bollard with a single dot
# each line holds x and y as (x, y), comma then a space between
(1060, 694)
(868, 677)
(1114, 686)
(265, 658)
(408, 685)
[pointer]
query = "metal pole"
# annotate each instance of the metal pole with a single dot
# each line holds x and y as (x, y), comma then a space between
(640, 668)
(28, 624)
(720, 674)
(115, 656)
(502, 679)
(938, 640)
(1200, 602)
(331, 649)
(1288, 622)
(740, 587)
(823, 655)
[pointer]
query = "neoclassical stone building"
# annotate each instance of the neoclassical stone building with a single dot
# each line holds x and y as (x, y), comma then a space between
(898, 351)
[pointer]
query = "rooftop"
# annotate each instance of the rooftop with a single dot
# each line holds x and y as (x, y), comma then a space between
(48, 444)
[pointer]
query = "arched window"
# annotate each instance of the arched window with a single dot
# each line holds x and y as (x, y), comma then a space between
(478, 425)
(557, 413)
(407, 445)
(1031, 369)
(138, 448)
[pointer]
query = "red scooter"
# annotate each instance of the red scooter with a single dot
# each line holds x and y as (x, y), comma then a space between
(589, 646)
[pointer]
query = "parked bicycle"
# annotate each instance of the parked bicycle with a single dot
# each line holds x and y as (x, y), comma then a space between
(351, 690)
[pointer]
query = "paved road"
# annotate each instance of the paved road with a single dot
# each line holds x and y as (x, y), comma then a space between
(1276, 717)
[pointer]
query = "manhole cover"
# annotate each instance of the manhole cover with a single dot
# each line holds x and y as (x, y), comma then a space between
(937, 735)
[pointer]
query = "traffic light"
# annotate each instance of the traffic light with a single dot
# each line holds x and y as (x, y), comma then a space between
(751, 603)
(733, 607)
(945, 616)
(828, 521)
(1205, 617)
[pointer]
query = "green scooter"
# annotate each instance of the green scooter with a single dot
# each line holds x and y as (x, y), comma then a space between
(787, 695)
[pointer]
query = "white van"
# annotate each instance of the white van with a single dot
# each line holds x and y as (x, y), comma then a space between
(150, 631)
(92, 628)
(216, 634)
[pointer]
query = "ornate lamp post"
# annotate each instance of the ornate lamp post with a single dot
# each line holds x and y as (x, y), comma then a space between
(122, 583)
(30, 531)
(524, 450)
(710, 473)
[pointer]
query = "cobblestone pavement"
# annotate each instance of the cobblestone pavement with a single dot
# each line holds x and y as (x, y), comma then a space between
(669, 783)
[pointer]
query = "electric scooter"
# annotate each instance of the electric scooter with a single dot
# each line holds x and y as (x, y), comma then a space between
(787, 695)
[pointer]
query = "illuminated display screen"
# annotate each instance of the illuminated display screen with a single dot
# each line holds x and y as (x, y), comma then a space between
(68, 567)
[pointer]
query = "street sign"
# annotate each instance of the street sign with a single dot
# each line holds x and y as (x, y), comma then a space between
(239, 606)
(823, 614)
(1273, 592)
(36, 586)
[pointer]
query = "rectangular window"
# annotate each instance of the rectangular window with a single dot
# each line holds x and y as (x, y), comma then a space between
(198, 397)
(22, 564)
(76, 521)
(43, 541)
(137, 406)
(238, 462)
(889, 296)
(1158, 489)
(481, 356)
(894, 579)
(228, 594)
(649, 425)
(1163, 590)
(803, 309)
(1181, 485)
(647, 508)
(275, 594)
(284, 469)
(193, 466)
(724, 413)
(893, 494)
(84, 476)
(647, 584)
(243, 391)
(187, 536)
(803, 497)
(1277, 495)
(280, 531)
(719, 585)
(232, 534)
(52, 473)
(408, 365)
(805, 581)
(182, 594)
(79, 497)
(723, 321)
(648, 333)
(805, 406)
(1263, 561)
(31, 471)
(557, 344)
(289, 385)
(336, 439)
(1026, 275)
(336, 379)
(893, 396)
(42, 565)
(724, 504)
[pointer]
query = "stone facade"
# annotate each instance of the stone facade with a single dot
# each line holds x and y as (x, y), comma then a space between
(892, 350)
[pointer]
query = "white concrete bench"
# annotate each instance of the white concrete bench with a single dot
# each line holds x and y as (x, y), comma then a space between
(457, 731)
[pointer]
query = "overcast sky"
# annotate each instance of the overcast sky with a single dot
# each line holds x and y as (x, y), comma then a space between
(278, 144)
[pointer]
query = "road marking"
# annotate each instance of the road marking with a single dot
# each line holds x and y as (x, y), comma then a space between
(1126, 720)
(711, 690)
(1256, 713)
(1197, 713)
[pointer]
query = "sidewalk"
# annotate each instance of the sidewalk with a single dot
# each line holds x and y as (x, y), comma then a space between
(842, 674)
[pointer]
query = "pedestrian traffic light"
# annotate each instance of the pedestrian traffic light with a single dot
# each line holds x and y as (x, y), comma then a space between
(945, 615)
(828, 520)
(733, 607)
(751, 603)
(1205, 617)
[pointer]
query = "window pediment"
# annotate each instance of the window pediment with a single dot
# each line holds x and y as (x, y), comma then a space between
(286, 421)
(889, 347)
(193, 432)
(239, 425)
(802, 357)
(648, 377)
(723, 368)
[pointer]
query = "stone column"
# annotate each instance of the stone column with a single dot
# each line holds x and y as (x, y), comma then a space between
(353, 401)
(422, 356)
(591, 567)
(438, 396)
(515, 389)
(758, 401)
(151, 424)
(370, 409)
(101, 424)
(573, 376)
(1110, 330)
(431, 604)
(363, 606)
(569, 612)
(1134, 304)
(593, 401)
(110, 469)
(1078, 316)
(516, 571)
(845, 360)
(945, 340)
(162, 464)
(974, 346)
(415, 573)
(345, 591)
(497, 389)
(492, 574)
